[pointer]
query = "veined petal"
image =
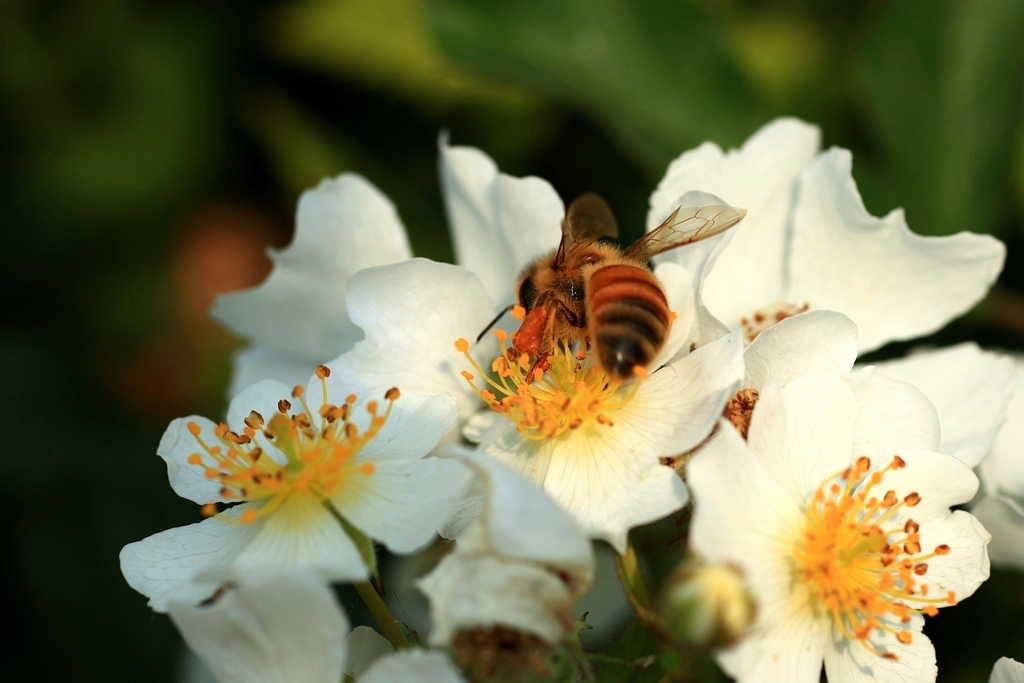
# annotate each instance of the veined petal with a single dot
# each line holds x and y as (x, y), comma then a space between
(941, 480)
(481, 591)
(678, 406)
(790, 649)
(966, 566)
(403, 502)
(802, 433)
(291, 631)
(606, 477)
(342, 226)
(163, 566)
(499, 223)
(412, 313)
(300, 535)
(915, 663)
(176, 445)
(816, 342)
(892, 283)
(1003, 470)
(759, 177)
(970, 388)
(892, 416)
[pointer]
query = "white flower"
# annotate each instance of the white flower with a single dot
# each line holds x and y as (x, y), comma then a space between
(294, 630)
(980, 400)
(808, 242)
(604, 469)
(521, 565)
(840, 521)
(1002, 475)
(296, 318)
(315, 473)
(1007, 670)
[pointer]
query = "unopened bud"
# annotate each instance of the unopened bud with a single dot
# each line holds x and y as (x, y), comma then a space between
(705, 605)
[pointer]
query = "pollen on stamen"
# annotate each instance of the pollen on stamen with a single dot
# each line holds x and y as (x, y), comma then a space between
(322, 372)
(549, 396)
(313, 454)
(861, 562)
(461, 345)
(518, 312)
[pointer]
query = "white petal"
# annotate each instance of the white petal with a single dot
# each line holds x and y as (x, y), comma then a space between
(176, 445)
(847, 662)
(342, 226)
(970, 389)
(290, 631)
(365, 646)
(404, 502)
(740, 510)
(816, 342)
(1004, 519)
(607, 478)
(412, 313)
(522, 522)
(892, 416)
(1007, 670)
(966, 566)
(413, 666)
(1003, 470)
(760, 178)
(680, 404)
(695, 325)
(299, 535)
(894, 284)
(786, 649)
(481, 591)
(499, 223)
(162, 567)
(941, 480)
(803, 433)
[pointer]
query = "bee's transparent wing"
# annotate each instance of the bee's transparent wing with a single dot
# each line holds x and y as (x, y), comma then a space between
(588, 218)
(684, 226)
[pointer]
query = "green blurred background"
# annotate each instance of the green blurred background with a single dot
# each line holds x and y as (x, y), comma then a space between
(152, 150)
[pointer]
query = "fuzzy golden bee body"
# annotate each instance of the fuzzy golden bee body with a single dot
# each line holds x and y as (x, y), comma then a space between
(591, 290)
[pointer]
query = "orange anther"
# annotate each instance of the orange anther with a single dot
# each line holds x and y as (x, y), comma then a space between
(641, 372)
(518, 312)
(193, 428)
(912, 499)
(208, 510)
(392, 394)
(298, 391)
(367, 468)
(468, 375)
(249, 516)
(898, 462)
(211, 473)
(501, 335)
(863, 463)
(322, 372)
(195, 459)
(904, 637)
(461, 345)
(283, 406)
(942, 549)
(951, 598)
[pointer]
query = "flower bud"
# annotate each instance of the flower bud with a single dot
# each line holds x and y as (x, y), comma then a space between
(705, 605)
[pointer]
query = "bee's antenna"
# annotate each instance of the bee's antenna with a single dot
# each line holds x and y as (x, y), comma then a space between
(494, 322)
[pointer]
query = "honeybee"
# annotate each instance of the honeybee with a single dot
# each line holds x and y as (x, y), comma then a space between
(586, 289)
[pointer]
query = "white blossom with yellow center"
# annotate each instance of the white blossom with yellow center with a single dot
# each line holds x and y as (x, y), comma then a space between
(808, 242)
(840, 522)
(307, 478)
(599, 456)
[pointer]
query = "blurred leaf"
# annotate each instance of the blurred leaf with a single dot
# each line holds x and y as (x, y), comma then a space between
(302, 150)
(941, 83)
(658, 76)
(781, 53)
(385, 44)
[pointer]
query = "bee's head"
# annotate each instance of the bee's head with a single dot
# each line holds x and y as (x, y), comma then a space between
(527, 291)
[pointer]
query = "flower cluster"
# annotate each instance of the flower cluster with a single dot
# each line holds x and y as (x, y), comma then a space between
(812, 497)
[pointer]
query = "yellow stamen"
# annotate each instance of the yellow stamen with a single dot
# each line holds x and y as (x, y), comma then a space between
(567, 392)
(858, 570)
(318, 454)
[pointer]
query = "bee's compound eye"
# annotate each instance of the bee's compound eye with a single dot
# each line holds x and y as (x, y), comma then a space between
(527, 290)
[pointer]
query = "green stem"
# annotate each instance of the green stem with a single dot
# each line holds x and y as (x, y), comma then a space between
(381, 613)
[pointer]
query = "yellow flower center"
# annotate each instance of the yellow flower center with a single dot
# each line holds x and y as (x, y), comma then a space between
(570, 391)
(860, 555)
(318, 452)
